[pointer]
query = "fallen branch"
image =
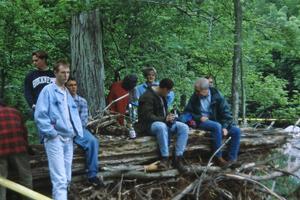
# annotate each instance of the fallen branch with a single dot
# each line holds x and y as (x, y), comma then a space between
(238, 177)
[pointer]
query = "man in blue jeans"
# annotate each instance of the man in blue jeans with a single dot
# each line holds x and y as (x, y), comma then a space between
(154, 119)
(211, 112)
(58, 122)
(88, 142)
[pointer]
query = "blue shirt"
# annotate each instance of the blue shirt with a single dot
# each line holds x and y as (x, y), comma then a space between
(141, 89)
(82, 109)
(205, 105)
(49, 116)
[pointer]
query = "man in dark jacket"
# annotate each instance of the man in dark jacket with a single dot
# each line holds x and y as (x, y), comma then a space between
(37, 79)
(211, 112)
(154, 119)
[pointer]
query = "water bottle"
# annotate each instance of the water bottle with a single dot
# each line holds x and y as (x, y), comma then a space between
(132, 134)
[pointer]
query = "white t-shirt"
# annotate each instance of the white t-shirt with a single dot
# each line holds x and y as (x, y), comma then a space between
(66, 108)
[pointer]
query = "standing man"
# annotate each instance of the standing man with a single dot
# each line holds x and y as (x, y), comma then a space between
(150, 76)
(58, 122)
(88, 142)
(154, 119)
(211, 112)
(13, 147)
(37, 79)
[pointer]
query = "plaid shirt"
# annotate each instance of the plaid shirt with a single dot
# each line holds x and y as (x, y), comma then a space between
(13, 133)
(82, 109)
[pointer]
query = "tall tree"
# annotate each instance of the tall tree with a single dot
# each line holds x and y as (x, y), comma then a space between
(87, 57)
(237, 58)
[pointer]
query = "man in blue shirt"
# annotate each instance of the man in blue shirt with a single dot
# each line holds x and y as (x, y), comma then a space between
(211, 112)
(88, 142)
(150, 76)
(58, 122)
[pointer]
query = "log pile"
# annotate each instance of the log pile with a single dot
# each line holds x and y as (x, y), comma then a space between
(123, 159)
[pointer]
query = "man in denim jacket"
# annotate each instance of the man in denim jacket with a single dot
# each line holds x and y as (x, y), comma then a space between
(58, 122)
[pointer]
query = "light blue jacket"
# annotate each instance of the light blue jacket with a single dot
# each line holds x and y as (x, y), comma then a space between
(49, 115)
(141, 89)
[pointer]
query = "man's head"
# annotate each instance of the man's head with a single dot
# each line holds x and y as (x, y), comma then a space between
(201, 87)
(165, 86)
(62, 72)
(149, 74)
(72, 86)
(129, 82)
(210, 80)
(39, 59)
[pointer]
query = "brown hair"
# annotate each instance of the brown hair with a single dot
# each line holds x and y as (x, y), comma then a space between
(60, 63)
(40, 54)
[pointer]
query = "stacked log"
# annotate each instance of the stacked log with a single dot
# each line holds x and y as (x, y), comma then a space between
(122, 151)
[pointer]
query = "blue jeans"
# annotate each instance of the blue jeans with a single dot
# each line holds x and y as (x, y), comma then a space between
(59, 151)
(90, 145)
(216, 134)
(162, 131)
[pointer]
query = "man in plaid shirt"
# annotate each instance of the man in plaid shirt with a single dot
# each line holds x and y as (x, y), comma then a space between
(88, 142)
(13, 147)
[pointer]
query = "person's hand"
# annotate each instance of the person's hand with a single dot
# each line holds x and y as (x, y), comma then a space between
(170, 117)
(225, 131)
(203, 118)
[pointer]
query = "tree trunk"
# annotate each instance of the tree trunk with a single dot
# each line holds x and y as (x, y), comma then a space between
(243, 90)
(237, 58)
(2, 89)
(87, 58)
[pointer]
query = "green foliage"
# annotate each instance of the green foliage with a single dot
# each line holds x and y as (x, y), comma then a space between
(32, 132)
(286, 185)
(182, 39)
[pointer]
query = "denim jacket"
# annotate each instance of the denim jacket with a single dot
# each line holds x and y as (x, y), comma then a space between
(49, 114)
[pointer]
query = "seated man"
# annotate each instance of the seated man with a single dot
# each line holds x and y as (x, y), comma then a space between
(153, 118)
(119, 89)
(88, 142)
(211, 112)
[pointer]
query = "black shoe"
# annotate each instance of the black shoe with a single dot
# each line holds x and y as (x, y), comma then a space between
(221, 162)
(164, 163)
(180, 164)
(233, 164)
(97, 182)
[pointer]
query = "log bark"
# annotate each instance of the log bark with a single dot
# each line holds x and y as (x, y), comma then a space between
(119, 151)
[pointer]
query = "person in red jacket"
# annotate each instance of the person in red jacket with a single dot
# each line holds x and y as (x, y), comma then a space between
(119, 89)
(13, 147)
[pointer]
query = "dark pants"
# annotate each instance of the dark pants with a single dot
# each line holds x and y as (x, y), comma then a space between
(18, 165)
(216, 134)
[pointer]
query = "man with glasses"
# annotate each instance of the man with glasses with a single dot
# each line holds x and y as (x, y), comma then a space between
(211, 112)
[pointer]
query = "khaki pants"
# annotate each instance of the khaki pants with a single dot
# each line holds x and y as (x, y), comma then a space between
(17, 165)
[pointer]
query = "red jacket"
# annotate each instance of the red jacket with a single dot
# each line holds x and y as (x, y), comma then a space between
(116, 91)
(13, 133)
